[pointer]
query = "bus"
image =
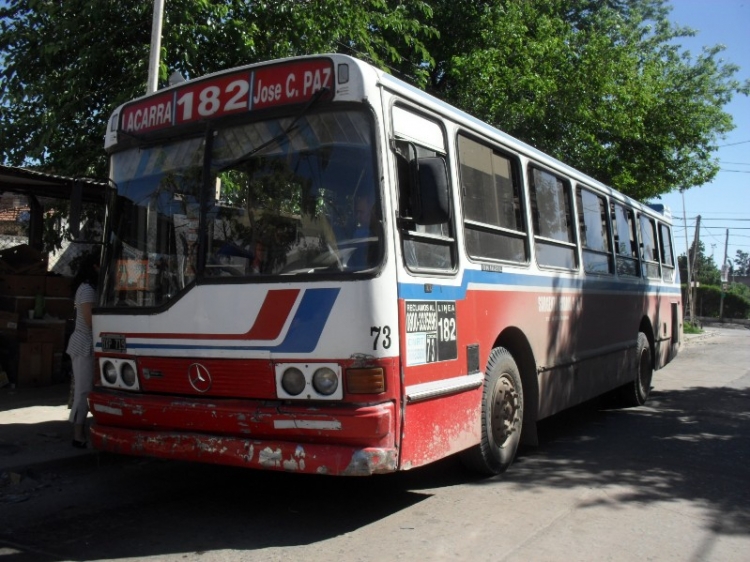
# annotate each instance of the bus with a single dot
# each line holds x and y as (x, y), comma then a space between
(312, 266)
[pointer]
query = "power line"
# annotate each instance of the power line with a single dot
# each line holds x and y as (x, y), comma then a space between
(714, 219)
(692, 225)
(733, 143)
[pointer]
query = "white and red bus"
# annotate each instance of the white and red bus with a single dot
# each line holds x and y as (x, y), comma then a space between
(312, 266)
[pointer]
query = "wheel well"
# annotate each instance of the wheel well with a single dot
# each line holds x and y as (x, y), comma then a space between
(517, 344)
(648, 330)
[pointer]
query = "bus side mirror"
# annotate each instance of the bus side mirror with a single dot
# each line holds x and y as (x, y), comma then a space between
(431, 196)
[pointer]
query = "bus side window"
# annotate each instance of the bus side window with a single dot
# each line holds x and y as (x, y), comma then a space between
(594, 232)
(551, 212)
(494, 223)
(667, 257)
(427, 238)
(649, 247)
(626, 258)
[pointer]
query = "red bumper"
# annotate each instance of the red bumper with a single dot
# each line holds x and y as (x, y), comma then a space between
(336, 440)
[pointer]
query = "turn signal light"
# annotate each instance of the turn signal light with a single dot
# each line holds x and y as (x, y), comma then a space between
(365, 381)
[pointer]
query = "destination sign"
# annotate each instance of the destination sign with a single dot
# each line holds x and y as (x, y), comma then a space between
(229, 94)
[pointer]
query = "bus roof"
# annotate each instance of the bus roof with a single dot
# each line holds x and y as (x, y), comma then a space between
(285, 77)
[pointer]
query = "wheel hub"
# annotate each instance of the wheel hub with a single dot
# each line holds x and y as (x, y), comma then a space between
(504, 411)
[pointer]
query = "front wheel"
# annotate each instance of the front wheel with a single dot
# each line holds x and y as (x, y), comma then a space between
(502, 416)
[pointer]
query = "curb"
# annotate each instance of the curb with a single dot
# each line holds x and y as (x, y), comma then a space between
(693, 338)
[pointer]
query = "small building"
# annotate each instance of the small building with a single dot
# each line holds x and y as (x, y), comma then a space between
(36, 308)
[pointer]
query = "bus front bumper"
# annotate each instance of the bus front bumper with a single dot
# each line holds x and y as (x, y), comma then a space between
(274, 455)
(347, 441)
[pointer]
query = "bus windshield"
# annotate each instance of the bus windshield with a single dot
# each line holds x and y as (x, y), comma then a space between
(286, 196)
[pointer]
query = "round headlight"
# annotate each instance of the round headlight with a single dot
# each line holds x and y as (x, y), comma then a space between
(293, 381)
(109, 372)
(325, 381)
(128, 375)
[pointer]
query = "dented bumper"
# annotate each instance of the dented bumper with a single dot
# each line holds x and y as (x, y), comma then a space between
(335, 440)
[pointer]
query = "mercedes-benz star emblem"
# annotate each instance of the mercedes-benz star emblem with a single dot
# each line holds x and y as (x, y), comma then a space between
(199, 377)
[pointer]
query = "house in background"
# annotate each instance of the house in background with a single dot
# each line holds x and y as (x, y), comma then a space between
(36, 308)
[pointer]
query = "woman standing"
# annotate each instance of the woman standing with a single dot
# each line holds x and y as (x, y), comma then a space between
(81, 347)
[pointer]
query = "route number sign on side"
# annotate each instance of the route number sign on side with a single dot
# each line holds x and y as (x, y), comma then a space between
(430, 332)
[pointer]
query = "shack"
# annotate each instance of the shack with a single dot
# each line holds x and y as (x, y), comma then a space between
(47, 222)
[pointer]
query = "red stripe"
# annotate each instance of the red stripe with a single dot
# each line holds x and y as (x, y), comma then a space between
(272, 315)
(267, 326)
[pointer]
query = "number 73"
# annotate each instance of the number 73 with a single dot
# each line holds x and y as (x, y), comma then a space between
(382, 336)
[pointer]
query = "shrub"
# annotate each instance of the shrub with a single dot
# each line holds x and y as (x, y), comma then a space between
(708, 300)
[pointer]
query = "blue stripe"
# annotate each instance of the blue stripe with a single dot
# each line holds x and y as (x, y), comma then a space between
(541, 282)
(302, 337)
(307, 325)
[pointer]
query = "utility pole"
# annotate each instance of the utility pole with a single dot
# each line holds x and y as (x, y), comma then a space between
(724, 278)
(688, 285)
(692, 268)
(153, 61)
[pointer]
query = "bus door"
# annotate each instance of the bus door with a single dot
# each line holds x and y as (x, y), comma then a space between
(440, 402)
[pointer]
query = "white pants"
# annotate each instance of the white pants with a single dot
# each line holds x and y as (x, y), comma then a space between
(83, 375)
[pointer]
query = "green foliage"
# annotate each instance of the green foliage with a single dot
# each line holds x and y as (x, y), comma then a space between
(689, 328)
(708, 302)
(741, 264)
(703, 268)
(67, 65)
(604, 86)
(740, 290)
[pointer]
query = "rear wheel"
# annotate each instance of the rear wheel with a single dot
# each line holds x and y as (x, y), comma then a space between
(636, 393)
(502, 416)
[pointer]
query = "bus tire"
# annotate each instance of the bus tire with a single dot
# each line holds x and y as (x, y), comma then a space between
(636, 393)
(502, 416)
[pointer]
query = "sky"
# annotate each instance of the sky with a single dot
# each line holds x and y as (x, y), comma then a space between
(725, 202)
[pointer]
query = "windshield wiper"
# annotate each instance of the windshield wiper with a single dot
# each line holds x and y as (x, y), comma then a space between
(248, 155)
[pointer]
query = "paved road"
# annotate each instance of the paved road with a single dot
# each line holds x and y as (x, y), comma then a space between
(669, 481)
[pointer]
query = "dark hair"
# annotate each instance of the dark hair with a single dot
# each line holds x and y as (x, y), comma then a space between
(87, 273)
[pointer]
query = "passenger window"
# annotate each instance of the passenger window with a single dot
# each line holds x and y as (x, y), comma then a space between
(667, 256)
(593, 226)
(626, 241)
(427, 237)
(649, 247)
(551, 212)
(493, 215)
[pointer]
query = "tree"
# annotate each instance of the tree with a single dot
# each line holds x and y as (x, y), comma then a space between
(601, 85)
(65, 66)
(742, 263)
(703, 268)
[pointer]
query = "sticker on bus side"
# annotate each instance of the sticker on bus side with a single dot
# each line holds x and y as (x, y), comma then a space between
(430, 332)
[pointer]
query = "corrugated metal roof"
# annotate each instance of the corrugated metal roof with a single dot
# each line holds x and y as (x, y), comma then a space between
(31, 182)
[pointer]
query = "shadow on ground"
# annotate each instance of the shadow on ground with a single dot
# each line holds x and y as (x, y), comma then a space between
(685, 445)
(689, 445)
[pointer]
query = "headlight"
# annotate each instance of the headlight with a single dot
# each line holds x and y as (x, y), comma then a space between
(128, 375)
(119, 373)
(309, 381)
(293, 381)
(325, 381)
(109, 372)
